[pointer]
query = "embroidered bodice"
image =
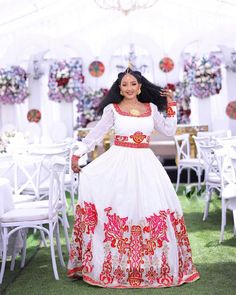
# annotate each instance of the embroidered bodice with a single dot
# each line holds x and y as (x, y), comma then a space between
(130, 130)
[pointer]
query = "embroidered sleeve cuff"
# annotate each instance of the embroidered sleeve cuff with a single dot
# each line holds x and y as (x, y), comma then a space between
(171, 111)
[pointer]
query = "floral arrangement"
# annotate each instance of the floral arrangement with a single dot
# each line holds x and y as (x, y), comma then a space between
(182, 97)
(66, 80)
(88, 105)
(203, 75)
(3, 146)
(13, 85)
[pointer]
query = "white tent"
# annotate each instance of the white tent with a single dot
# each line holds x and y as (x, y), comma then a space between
(80, 28)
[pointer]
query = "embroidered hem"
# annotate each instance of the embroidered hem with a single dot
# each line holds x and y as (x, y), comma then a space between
(77, 273)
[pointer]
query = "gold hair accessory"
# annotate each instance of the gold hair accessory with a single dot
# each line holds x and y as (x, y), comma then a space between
(139, 91)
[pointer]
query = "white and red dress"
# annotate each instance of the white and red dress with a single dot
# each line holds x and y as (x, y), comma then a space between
(129, 229)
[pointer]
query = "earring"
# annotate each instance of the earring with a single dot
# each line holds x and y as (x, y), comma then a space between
(139, 91)
(121, 93)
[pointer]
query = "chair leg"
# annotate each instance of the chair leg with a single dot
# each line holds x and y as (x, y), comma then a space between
(234, 217)
(199, 174)
(178, 179)
(64, 221)
(223, 219)
(72, 197)
(23, 254)
(207, 205)
(188, 175)
(43, 239)
(59, 245)
(16, 235)
(54, 264)
(4, 252)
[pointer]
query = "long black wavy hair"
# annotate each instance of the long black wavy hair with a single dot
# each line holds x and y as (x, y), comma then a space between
(149, 92)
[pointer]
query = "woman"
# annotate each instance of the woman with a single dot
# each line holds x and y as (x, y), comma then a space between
(129, 229)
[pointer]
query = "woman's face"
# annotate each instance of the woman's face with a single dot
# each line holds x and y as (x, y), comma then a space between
(129, 86)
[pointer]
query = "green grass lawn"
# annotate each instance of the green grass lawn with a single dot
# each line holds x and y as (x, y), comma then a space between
(215, 262)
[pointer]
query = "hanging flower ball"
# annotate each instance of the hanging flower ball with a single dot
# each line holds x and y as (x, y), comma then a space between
(166, 64)
(34, 115)
(96, 68)
(231, 110)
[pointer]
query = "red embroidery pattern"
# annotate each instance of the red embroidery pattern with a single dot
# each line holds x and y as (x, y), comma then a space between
(106, 274)
(135, 257)
(114, 231)
(119, 274)
(135, 248)
(137, 140)
(121, 138)
(165, 278)
(170, 112)
(138, 137)
(131, 144)
(184, 250)
(157, 229)
(145, 114)
(86, 221)
(142, 259)
(87, 258)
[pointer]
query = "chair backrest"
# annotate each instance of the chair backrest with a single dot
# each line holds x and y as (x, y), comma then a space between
(182, 146)
(48, 149)
(217, 133)
(202, 141)
(225, 166)
(56, 186)
(229, 142)
(26, 174)
(7, 167)
(210, 162)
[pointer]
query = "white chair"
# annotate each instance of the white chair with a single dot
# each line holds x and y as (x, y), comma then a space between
(62, 201)
(202, 141)
(184, 161)
(215, 134)
(17, 219)
(228, 186)
(212, 174)
(16, 169)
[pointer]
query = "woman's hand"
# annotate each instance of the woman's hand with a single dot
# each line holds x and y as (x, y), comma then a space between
(168, 93)
(74, 164)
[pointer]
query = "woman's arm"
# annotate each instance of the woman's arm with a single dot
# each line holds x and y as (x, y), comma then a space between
(96, 135)
(168, 125)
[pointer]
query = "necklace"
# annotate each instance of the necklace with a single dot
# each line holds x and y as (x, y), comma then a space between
(134, 112)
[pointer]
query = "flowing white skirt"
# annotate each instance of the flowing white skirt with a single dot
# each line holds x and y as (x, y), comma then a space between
(129, 230)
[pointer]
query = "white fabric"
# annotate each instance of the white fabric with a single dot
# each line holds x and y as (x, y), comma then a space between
(166, 126)
(127, 187)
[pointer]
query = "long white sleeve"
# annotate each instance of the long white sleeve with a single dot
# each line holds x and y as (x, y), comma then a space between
(96, 135)
(166, 126)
